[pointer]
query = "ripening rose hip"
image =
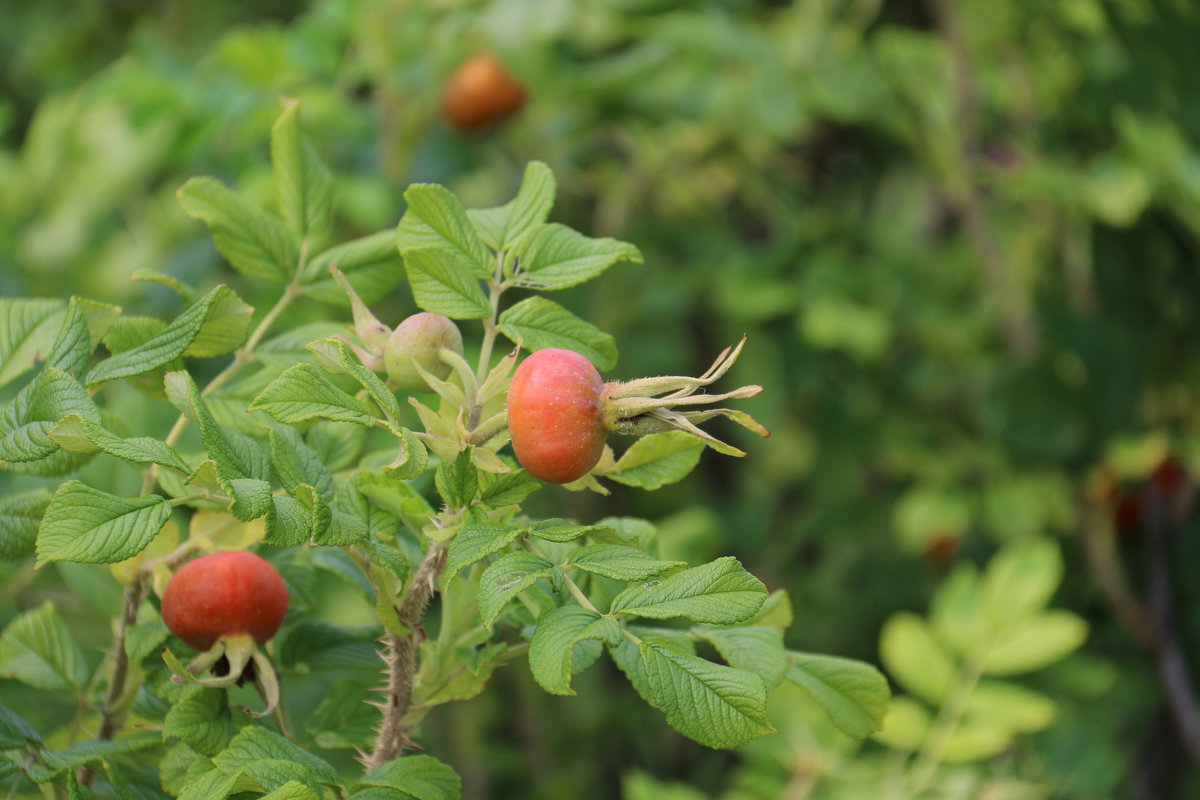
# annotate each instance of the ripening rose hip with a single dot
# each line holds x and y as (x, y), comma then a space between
(418, 339)
(480, 92)
(555, 415)
(224, 594)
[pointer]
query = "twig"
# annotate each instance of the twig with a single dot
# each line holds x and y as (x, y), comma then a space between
(400, 659)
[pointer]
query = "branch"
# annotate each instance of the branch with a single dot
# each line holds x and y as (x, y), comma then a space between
(400, 658)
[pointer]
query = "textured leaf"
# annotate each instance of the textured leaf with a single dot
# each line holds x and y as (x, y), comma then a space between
(553, 644)
(303, 392)
(255, 243)
(201, 719)
(560, 530)
(477, 539)
(336, 358)
(507, 577)
(214, 325)
(26, 422)
(422, 777)
(539, 323)
(658, 459)
(28, 326)
(20, 515)
(15, 732)
(435, 219)
(619, 562)
(371, 264)
(854, 694)
(37, 649)
(254, 743)
(506, 488)
(443, 282)
(720, 592)
(93, 527)
(502, 226)
(296, 463)
(304, 184)
(719, 707)
(80, 435)
(752, 648)
(557, 257)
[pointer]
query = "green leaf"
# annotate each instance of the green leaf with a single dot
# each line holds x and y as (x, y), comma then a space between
(187, 293)
(1019, 581)
(854, 694)
(214, 325)
(20, 515)
(539, 323)
(436, 220)
(255, 243)
(296, 463)
(85, 324)
(553, 644)
(477, 539)
(1019, 709)
(916, 659)
(15, 732)
(720, 592)
(658, 459)
(557, 257)
(292, 790)
(28, 327)
(371, 264)
(336, 358)
(344, 720)
(236, 454)
(619, 562)
(58, 761)
(37, 649)
(26, 421)
(93, 527)
(79, 435)
(303, 392)
(905, 726)
(502, 226)
(507, 577)
(254, 743)
(752, 648)
(422, 777)
(1036, 643)
(201, 719)
(560, 530)
(217, 785)
(304, 184)
(497, 490)
(458, 483)
(719, 707)
(444, 283)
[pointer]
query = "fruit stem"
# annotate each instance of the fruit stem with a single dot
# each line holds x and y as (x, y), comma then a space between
(401, 660)
(496, 287)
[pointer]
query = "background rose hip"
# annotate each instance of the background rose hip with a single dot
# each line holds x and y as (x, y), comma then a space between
(479, 92)
(222, 594)
(554, 415)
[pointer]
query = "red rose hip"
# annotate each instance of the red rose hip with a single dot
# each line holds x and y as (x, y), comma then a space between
(555, 415)
(224, 594)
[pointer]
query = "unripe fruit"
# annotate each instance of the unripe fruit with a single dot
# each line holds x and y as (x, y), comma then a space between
(555, 415)
(479, 92)
(418, 339)
(224, 594)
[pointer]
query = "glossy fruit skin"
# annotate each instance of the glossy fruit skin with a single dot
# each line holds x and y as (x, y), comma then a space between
(224, 593)
(418, 339)
(480, 92)
(555, 415)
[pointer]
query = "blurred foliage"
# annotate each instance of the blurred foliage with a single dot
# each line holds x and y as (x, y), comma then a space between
(961, 235)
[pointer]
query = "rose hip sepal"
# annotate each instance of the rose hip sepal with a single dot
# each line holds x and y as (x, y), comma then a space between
(559, 410)
(226, 605)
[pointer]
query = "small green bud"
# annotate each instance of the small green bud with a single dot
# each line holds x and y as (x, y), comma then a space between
(415, 343)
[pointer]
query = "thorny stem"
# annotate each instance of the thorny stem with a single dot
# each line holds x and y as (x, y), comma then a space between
(401, 660)
(110, 722)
